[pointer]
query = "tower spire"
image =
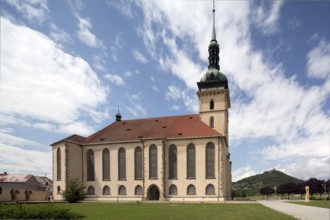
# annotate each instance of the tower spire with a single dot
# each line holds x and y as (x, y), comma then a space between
(118, 115)
(214, 48)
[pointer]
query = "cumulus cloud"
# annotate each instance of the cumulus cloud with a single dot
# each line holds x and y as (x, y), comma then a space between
(242, 173)
(114, 78)
(42, 83)
(265, 102)
(21, 160)
(139, 57)
(318, 60)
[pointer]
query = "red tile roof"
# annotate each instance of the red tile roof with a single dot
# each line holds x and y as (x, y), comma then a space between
(14, 178)
(74, 138)
(182, 126)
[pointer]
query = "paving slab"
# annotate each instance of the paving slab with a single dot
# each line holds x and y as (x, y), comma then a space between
(302, 212)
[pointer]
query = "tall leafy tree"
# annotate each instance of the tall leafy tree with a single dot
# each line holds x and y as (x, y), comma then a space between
(267, 190)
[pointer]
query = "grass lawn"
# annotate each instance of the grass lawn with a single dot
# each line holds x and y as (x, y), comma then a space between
(178, 211)
(316, 203)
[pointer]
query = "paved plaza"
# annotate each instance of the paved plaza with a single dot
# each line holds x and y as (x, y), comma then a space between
(302, 212)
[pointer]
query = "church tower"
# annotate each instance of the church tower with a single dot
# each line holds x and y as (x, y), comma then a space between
(213, 90)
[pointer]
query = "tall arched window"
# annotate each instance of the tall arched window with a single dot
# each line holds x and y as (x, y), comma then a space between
(172, 158)
(211, 122)
(211, 104)
(0, 190)
(173, 190)
(121, 164)
(91, 190)
(138, 163)
(153, 162)
(58, 164)
(191, 190)
(106, 164)
(138, 190)
(210, 161)
(90, 165)
(191, 161)
(210, 190)
(106, 190)
(122, 190)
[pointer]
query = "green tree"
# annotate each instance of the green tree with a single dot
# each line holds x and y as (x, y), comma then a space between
(74, 191)
(267, 190)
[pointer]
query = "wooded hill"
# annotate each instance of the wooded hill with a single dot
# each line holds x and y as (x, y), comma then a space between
(273, 178)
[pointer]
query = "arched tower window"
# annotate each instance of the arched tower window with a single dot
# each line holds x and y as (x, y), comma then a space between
(121, 164)
(191, 159)
(90, 165)
(91, 190)
(209, 160)
(138, 163)
(211, 122)
(172, 158)
(211, 104)
(153, 161)
(106, 164)
(210, 190)
(58, 164)
(173, 190)
(106, 190)
(191, 190)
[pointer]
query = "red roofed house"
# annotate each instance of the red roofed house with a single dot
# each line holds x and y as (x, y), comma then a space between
(174, 158)
(22, 187)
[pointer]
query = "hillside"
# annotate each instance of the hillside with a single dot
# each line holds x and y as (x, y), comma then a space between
(271, 178)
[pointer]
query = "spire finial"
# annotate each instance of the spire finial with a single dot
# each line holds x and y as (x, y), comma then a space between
(213, 31)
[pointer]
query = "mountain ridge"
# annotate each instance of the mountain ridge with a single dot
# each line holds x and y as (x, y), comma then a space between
(272, 178)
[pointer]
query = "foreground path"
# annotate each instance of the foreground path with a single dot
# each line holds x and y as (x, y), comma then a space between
(298, 211)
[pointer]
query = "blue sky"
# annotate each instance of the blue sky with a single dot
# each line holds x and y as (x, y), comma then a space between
(67, 65)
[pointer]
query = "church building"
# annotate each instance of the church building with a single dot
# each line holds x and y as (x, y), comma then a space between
(174, 158)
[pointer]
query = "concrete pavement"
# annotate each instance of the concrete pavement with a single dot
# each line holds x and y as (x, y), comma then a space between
(298, 211)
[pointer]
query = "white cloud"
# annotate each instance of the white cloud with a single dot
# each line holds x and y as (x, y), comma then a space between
(42, 83)
(139, 57)
(123, 6)
(177, 94)
(34, 10)
(242, 173)
(59, 35)
(85, 34)
(114, 78)
(135, 105)
(318, 60)
(308, 167)
(19, 160)
(128, 74)
(9, 139)
(265, 102)
(267, 16)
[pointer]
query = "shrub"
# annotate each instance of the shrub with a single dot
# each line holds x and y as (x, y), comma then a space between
(74, 192)
(18, 211)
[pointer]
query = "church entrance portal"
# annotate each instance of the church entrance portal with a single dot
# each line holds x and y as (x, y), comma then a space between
(153, 193)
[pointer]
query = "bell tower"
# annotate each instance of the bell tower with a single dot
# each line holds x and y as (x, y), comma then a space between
(213, 91)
